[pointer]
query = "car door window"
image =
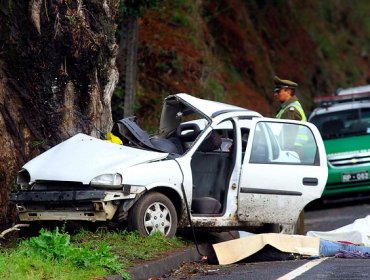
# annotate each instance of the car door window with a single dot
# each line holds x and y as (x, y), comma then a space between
(260, 153)
(288, 143)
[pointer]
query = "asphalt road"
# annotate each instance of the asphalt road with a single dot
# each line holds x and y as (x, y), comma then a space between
(331, 216)
(336, 214)
(332, 268)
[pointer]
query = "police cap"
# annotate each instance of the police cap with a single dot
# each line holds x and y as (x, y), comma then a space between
(279, 83)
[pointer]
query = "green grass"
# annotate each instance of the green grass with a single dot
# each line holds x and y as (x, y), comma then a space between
(85, 255)
(130, 246)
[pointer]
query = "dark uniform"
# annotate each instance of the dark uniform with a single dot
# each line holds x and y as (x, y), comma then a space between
(291, 109)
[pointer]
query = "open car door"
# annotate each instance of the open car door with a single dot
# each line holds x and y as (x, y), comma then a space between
(284, 168)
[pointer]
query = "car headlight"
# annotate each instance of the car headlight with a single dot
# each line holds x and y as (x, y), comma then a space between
(107, 180)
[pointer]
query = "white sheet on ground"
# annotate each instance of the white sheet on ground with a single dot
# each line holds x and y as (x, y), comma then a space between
(358, 232)
(235, 250)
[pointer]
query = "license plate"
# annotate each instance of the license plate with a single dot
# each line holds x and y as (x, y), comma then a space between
(355, 176)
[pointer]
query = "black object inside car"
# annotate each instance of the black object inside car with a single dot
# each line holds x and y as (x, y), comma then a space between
(129, 131)
(205, 205)
(165, 145)
(212, 142)
(188, 132)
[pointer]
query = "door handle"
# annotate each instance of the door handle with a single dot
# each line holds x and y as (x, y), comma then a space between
(309, 181)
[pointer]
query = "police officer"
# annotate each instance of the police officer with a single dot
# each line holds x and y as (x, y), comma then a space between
(290, 107)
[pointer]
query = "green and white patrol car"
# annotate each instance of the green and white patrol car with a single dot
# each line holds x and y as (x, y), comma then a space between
(344, 123)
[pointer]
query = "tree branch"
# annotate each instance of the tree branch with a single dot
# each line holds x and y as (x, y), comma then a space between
(14, 228)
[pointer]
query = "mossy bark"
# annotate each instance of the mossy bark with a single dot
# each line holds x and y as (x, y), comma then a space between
(57, 76)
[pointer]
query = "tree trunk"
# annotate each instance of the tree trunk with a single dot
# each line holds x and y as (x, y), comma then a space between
(57, 76)
(128, 62)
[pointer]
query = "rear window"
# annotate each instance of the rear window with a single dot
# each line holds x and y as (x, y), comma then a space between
(345, 123)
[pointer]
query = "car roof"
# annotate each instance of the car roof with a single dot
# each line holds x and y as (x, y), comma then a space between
(337, 107)
(212, 108)
(181, 104)
(354, 90)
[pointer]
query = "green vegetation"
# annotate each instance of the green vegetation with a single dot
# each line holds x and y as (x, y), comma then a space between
(162, 67)
(37, 143)
(85, 255)
(232, 74)
(215, 90)
(136, 7)
(72, 19)
(118, 103)
(169, 60)
(338, 29)
(213, 49)
(184, 14)
(180, 19)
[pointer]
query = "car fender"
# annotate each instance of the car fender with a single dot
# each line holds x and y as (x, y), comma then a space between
(163, 172)
(164, 176)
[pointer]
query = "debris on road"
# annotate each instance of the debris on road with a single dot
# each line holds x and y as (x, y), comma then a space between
(233, 251)
(332, 248)
(236, 250)
(357, 233)
(14, 228)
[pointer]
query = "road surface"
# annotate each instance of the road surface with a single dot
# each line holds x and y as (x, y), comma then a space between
(332, 216)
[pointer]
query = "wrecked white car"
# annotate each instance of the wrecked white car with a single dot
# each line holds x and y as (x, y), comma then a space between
(212, 166)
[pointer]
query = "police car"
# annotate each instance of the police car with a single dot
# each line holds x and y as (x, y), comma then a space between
(211, 166)
(344, 122)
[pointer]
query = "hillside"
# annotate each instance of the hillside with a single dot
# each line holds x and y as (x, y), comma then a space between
(229, 50)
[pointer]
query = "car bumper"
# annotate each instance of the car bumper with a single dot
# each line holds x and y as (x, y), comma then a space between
(341, 189)
(81, 205)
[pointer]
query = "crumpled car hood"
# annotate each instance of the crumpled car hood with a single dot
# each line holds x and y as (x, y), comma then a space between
(82, 157)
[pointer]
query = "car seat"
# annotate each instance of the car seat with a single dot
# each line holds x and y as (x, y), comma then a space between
(206, 179)
(205, 205)
(212, 142)
(186, 133)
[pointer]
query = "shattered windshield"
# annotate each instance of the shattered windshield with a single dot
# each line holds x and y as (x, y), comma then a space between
(174, 113)
(180, 126)
(346, 123)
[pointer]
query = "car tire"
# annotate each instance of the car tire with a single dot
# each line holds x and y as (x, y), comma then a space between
(299, 226)
(151, 213)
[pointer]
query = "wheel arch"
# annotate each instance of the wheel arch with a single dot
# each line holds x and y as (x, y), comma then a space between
(173, 195)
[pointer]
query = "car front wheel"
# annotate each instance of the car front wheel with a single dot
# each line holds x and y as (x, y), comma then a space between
(152, 213)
